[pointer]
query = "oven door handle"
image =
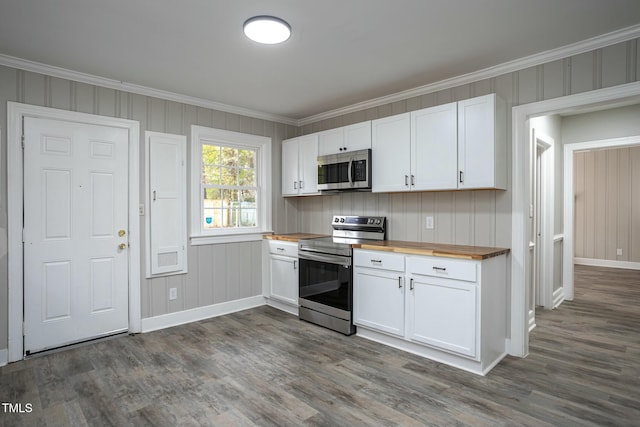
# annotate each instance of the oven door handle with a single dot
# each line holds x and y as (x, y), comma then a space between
(331, 259)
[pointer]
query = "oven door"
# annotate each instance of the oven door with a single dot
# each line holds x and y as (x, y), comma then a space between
(326, 284)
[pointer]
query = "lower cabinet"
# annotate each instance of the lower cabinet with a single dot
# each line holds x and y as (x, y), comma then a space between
(375, 286)
(449, 310)
(443, 315)
(281, 287)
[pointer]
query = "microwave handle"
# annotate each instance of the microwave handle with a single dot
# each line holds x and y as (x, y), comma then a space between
(351, 172)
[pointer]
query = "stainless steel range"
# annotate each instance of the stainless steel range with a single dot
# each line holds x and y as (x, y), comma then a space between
(326, 274)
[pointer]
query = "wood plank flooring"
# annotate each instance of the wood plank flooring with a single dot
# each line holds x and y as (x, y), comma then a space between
(263, 367)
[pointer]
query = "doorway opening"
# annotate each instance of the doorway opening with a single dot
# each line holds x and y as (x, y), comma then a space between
(622, 95)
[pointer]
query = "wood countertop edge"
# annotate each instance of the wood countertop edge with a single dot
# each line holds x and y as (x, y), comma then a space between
(433, 252)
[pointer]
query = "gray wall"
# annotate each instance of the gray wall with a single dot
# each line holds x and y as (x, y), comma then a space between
(217, 273)
(607, 204)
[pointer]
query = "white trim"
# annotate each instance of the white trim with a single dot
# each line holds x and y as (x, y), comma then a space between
(558, 297)
(235, 238)
(568, 202)
(4, 357)
(202, 134)
(64, 73)
(200, 313)
(610, 263)
(519, 342)
(547, 221)
(587, 45)
(15, 114)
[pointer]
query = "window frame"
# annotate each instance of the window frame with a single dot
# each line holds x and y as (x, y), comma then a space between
(262, 145)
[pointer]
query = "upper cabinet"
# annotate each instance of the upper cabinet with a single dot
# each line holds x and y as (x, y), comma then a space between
(482, 143)
(461, 145)
(347, 138)
(390, 153)
(300, 165)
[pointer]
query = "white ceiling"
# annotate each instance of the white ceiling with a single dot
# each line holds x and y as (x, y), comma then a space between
(341, 52)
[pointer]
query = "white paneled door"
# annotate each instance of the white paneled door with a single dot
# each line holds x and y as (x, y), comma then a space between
(75, 232)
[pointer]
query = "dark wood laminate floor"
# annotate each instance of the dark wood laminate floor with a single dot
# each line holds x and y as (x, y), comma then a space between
(264, 367)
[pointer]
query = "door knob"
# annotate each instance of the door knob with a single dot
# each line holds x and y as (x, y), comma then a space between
(122, 246)
(121, 233)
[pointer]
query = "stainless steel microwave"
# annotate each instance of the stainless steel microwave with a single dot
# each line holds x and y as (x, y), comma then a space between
(345, 171)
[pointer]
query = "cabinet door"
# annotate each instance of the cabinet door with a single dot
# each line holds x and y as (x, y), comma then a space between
(378, 300)
(477, 143)
(290, 167)
(390, 155)
(357, 136)
(284, 279)
(434, 148)
(330, 141)
(308, 164)
(443, 314)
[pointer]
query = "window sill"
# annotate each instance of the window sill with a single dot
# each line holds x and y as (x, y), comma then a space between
(199, 240)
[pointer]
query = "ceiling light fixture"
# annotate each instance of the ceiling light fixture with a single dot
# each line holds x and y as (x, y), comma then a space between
(267, 29)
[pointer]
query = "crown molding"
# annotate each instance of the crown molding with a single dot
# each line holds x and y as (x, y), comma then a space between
(63, 73)
(583, 46)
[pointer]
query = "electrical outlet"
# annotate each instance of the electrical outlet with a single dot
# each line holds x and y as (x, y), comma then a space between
(173, 293)
(141, 209)
(429, 223)
(618, 251)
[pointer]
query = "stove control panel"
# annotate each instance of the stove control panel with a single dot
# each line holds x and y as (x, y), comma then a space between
(359, 221)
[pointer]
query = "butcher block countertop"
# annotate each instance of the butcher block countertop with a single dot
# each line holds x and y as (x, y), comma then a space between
(433, 249)
(293, 237)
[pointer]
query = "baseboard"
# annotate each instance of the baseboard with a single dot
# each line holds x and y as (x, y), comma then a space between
(4, 356)
(558, 297)
(629, 265)
(200, 313)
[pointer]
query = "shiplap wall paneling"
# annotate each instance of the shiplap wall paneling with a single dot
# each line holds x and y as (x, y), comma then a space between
(607, 204)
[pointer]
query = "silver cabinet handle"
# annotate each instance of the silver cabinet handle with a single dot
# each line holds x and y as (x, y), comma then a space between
(295, 185)
(154, 195)
(376, 261)
(280, 249)
(461, 177)
(295, 265)
(406, 180)
(413, 180)
(300, 184)
(411, 284)
(399, 281)
(440, 269)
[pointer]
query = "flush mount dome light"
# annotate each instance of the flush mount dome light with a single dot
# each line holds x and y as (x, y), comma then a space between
(267, 29)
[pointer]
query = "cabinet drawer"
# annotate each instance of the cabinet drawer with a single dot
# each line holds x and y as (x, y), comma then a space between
(283, 248)
(378, 259)
(441, 267)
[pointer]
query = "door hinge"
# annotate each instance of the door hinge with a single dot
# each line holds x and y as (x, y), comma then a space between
(22, 141)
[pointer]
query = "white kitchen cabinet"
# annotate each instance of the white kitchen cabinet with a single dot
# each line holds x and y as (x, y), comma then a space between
(460, 145)
(482, 146)
(446, 309)
(347, 138)
(378, 291)
(300, 165)
(391, 153)
(443, 312)
(434, 148)
(283, 272)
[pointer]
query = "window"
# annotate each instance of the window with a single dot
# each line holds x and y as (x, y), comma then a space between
(231, 191)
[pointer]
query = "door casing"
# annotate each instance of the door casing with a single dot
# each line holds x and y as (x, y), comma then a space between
(15, 188)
